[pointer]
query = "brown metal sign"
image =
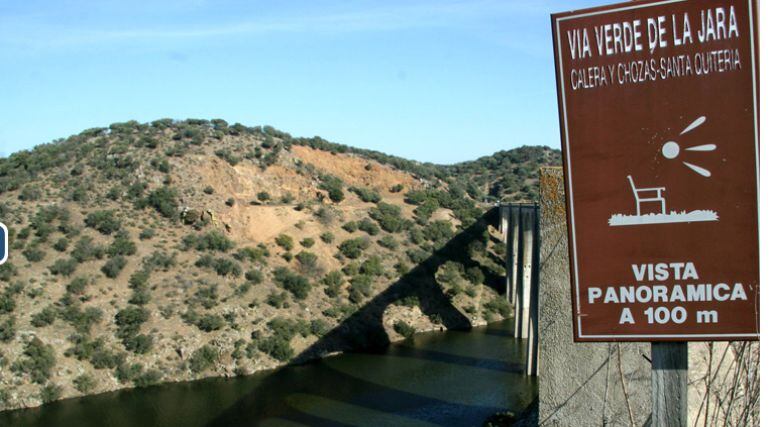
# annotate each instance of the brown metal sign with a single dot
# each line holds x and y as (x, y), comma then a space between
(658, 103)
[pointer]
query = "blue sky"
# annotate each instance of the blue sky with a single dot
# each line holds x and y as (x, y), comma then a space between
(440, 81)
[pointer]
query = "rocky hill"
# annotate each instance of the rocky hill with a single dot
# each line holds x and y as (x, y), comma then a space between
(176, 250)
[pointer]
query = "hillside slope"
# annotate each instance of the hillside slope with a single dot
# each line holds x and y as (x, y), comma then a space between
(170, 251)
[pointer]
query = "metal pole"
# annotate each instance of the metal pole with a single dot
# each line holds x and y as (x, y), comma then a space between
(669, 384)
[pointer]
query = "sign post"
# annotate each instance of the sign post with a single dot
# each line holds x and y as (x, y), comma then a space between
(658, 108)
(669, 384)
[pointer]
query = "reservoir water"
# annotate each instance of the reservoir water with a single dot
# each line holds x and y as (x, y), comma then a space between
(438, 378)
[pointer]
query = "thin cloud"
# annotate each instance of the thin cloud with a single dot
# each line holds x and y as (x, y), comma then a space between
(27, 33)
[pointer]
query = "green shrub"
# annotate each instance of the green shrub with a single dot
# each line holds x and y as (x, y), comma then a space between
(227, 267)
(139, 344)
(63, 267)
(33, 254)
(439, 231)
(307, 242)
(228, 156)
(130, 319)
(29, 193)
(147, 234)
(77, 286)
(208, 189)
(450, 272)
(257, 254)
(263, 196)
(122, 245)
(139, 279)
(223, 266)
(125, 372)
(367, 195)
(243, 288)
(113, 266)
(207, 296)
(7, 329)
(254, 276)
(389, 217)
(403, 329)
(162, 166)
(340, 312)
(159, 260)
(114, 193)
(79, 193)
(7, 302)
(360, 288)
(326, 215)
(350, 226)
(277, 300)
(372, 267)
(44, 317)
(62, 244)
(368, 227)
(354, 248)
(38, 361)
(500, 306)
(86, 250)
(140, 296)
(285, 241)
(417, 255)
(210, 322)
(84, 383)
(388, 242)
(7, 271)
(336, 194)
(397, 188)
(327, 237)
(474, 275)
(81, 320)
(409, 301)
(148, 378)
(287, 328)
(230, 202)
(351, 269)
(333, 187)
(308, 262)
(333, 283)
(50, 393)
(319, 327)
(103, 221)
(297, 285)
(276, 347)
(203, 358)
(425, 211)
(83, 348)
(164, 201)
(211, 241)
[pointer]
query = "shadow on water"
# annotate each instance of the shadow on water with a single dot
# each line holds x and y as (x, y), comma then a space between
(458, 377)
(451, 378)
(365, 329)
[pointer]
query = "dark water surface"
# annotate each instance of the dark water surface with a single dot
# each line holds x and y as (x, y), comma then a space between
(439, 378)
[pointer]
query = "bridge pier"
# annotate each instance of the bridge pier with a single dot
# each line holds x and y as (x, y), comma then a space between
(519, 227)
